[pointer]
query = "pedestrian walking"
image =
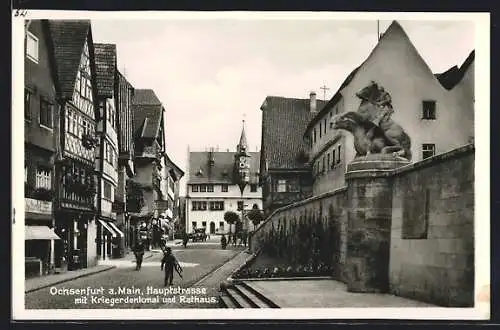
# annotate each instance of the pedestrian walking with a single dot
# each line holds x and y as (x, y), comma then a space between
(185, 239)
(169, 263)
(235, 237)
(223, 242)
(244, 238)
(139, 254)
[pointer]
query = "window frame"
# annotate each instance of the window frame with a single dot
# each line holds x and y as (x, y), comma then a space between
(28, 96)
(224, 188)
(429, 114)
(425, 150)
(48, 115)
(253, 187)
(43, 178)
(37, 41)
(281, 183)
(194, 188)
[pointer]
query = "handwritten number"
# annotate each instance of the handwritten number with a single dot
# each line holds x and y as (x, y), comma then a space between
(20, 12)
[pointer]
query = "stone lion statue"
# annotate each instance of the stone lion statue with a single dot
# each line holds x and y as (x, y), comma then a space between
(372, 127)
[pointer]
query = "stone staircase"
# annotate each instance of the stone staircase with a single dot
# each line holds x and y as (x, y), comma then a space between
(242, 294)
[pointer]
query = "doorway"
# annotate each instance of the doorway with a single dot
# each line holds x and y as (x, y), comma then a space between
(212, 227)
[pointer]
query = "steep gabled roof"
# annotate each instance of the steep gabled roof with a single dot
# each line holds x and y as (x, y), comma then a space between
(146, 97)
(68, 38)
(221, 170)
(105, 63)
(169, 162)
(283, 122)
(395, 29)
(147, 113)
(451, 77)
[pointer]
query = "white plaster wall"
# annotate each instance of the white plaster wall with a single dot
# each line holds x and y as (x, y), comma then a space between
(91, 244)
(396, 65)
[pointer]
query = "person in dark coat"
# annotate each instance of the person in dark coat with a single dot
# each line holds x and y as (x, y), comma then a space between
(139, 254)
(223, 242)
(169, 263)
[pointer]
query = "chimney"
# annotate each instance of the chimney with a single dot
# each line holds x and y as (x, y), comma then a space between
(312, 99)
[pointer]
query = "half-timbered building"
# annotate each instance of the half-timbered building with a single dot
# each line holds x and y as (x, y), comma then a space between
(109, 237)
(75, 171)
(125, 93)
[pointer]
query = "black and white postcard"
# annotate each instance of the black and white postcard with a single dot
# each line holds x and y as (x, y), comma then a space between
(231, 165)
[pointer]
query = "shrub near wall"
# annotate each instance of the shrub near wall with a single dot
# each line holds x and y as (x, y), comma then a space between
(308, 238)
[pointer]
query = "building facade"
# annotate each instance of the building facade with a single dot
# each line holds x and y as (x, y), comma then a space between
(436, 119)
(285, 171)
(124, 92)
(41, 128)
(149, 145)
(171, 175)
(110, 239)
(212, 190)
(75, 169)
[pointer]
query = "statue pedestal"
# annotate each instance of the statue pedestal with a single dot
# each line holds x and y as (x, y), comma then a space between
(369, 203)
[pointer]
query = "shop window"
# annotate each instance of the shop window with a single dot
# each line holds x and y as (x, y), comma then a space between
(221, 225)
(204, 224)
(281, 186)
(240, 205)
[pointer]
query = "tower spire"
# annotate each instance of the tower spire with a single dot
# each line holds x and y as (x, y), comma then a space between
(243, 144)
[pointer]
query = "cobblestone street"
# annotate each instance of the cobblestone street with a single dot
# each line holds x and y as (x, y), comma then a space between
(197, 261)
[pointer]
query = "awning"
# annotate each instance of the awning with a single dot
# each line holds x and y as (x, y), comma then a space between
(108, 228)
(39, 233)
(116, 229)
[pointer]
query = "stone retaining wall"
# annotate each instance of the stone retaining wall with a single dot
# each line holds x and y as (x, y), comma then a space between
(424, 244)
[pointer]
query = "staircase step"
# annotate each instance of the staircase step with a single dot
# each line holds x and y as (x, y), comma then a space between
(226, 301)
(250, 286)
(240, 301)
(252, 298)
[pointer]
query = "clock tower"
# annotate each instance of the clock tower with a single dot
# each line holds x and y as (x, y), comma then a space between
(242, 161)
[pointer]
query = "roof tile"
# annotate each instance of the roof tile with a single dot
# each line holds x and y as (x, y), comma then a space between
(68, 38)
(146, 105)
(222, 169)
(283, 123)
(105, 62)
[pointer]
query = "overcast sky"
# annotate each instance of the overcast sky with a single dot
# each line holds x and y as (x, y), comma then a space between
(209, 73)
